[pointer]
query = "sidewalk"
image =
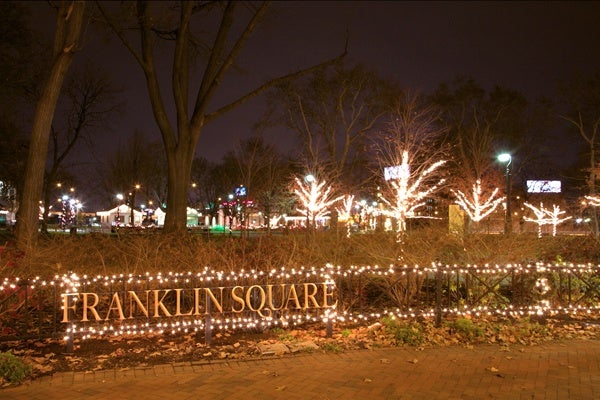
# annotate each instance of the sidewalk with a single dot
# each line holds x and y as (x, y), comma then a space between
(558, 370)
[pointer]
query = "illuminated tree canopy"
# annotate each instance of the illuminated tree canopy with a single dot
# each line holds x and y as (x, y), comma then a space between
(409, 192)
(315, 198)
(475, 207)
(545, 216)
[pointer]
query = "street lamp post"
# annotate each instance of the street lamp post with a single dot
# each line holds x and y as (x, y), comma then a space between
(506, 158)
(230, 209)
(132, 203)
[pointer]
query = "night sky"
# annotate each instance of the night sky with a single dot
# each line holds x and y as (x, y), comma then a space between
(525, 46)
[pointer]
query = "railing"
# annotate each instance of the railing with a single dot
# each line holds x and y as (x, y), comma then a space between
(34, 308)
(445, 287)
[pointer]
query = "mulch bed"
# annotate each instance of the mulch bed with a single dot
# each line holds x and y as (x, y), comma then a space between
(49, 356)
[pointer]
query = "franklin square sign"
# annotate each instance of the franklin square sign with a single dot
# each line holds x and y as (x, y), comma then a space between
(191, 304)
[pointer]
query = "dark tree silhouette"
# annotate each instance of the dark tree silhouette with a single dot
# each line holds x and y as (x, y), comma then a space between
(173, 22)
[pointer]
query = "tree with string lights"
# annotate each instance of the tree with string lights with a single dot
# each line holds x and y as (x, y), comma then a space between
(409, 193)
(474, 204)
(345, 212)
(545, 216)
(411, 150)
(554, 217)
(315, 198)
(593, 201)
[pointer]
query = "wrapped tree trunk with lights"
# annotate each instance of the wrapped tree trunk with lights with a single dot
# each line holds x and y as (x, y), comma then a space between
(315, 199)
(409, 193)
(345, 212)
(546, 217)
(474, 205)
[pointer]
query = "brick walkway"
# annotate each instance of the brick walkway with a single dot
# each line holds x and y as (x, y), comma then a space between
(565, 370)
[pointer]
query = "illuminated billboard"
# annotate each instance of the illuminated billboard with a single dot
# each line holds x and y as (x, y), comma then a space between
(543, 186)
(240, 191)
(396, 172)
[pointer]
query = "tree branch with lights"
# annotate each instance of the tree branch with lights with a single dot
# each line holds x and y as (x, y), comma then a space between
(545, 216)
(409, 193)
(474, 205)
(345, 212)
(315, 198)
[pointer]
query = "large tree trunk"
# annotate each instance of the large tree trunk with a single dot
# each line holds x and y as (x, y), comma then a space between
(179, 177)
(68, 27)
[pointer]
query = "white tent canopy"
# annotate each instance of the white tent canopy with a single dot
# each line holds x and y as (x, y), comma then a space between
(120, 214)
(192, 217)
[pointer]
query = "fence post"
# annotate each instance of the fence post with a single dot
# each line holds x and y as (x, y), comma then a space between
(438, 296)
(70, 336)
(207, 323)
(69, 348)
(569, 283)
(360, 298)
(329, 327)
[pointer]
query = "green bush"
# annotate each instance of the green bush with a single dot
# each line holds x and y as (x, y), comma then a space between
(332, 348)
(404, 332)
(466, 328)
(12, 368)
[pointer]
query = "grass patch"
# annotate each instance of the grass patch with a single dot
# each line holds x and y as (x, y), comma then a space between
(466, 329)
(410, 333)
(12, 368)
(332, 347)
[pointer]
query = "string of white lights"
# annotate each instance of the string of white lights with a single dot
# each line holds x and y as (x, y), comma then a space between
(72, 283)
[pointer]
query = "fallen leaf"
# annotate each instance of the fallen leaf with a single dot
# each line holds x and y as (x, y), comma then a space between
(493, 369)
(43, 368)
(280, 388)
(367, 380)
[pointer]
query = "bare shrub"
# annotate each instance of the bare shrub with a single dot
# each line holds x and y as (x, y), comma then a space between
(138, 254)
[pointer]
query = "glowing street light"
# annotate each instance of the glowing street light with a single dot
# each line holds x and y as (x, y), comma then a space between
(506, 158)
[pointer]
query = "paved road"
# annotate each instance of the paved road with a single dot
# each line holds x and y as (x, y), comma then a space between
(558, 370)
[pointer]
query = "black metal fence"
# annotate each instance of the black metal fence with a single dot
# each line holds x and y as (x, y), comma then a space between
(34, 308)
